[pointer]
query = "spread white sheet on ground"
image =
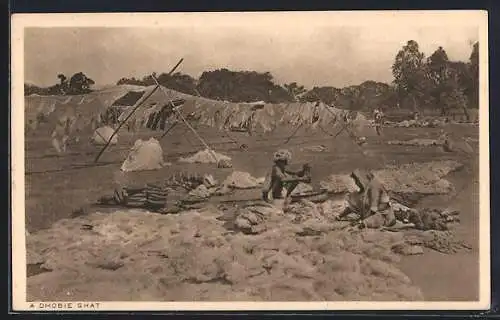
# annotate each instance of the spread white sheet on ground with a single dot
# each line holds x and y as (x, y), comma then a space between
(144, 155)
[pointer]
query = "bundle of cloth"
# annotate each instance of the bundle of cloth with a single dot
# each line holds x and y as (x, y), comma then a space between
(165, 197)
(150, 197)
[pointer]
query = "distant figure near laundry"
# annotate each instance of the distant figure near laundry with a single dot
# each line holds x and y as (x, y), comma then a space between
(378, 117)
(416, 116)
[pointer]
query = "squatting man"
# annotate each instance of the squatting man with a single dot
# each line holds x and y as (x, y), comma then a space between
(282, 182)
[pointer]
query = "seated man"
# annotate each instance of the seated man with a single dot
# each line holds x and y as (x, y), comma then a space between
(371, 203)
(282, 182)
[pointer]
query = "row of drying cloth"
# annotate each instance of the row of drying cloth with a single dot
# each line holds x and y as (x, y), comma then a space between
(158, 119)
(247, 125)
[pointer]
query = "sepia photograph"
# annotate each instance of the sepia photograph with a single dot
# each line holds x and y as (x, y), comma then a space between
(250, 161)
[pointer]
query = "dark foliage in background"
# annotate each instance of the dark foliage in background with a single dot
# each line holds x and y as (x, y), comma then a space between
(433, 82)
(79, 83)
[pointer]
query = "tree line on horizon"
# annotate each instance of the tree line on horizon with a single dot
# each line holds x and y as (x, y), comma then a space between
(78, 83)
(433, 82)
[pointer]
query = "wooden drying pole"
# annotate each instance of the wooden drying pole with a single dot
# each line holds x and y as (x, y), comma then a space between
(168, 130)
(179, 114)
(133, 111)
(333, 114)
(173, 125)
(344, 127)
(293, 133)
(121, 124)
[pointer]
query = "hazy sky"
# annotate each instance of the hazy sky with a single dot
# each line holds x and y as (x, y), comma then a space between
(317, 51)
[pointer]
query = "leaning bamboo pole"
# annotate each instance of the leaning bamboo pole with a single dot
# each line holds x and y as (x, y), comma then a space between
(179, 114)
(133, 111)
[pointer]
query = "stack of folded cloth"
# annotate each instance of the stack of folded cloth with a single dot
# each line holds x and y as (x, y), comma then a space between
(156, 196)
(151, 197)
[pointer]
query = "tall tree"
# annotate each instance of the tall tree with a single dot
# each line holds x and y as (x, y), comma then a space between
(437, 66)
(464, 79)
(439, 76)
(448, 82)
(409, 73)
(474, 71)
(79, 83)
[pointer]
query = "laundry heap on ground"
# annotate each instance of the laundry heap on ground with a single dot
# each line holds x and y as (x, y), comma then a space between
(233, 252)
(188, 246)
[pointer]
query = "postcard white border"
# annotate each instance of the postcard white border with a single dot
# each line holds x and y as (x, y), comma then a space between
(153, 20)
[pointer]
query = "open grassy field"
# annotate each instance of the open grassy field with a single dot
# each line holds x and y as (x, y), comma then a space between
(57, 185)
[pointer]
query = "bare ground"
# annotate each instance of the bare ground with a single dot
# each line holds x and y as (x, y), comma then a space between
(56, 186)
